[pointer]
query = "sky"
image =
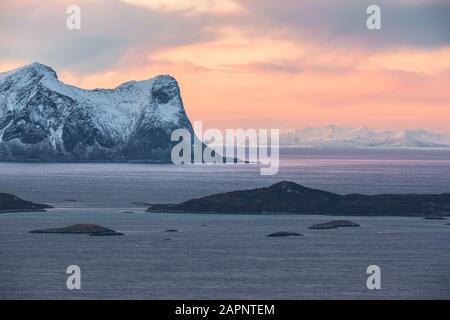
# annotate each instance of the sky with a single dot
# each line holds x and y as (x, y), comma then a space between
(283, 64)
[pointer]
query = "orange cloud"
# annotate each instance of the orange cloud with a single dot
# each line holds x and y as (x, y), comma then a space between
(190, 6)
(429, 61)
(7, 65)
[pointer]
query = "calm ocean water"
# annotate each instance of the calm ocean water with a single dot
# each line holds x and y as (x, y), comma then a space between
(222, 256)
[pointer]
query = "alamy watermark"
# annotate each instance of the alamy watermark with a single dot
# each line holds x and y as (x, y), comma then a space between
(73, 21)
(74, 280)
(235, 146)
(374, 280)
(373, 22)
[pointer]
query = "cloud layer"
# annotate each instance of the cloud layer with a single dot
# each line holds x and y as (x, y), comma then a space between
(252, 63)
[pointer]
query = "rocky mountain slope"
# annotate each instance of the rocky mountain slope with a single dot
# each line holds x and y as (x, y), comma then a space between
(41, 118)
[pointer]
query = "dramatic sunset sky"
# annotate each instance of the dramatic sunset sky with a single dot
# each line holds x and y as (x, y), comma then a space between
(252, 63)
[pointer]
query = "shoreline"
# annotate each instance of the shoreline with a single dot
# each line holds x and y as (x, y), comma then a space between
(108, 207)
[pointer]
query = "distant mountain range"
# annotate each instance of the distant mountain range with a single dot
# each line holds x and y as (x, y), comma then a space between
(334, 136)
(42, 118)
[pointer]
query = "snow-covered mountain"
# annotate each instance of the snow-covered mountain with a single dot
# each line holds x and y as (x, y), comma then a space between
(41, 118)
(333, 136)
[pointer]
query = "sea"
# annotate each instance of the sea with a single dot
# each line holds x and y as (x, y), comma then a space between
(226, 256)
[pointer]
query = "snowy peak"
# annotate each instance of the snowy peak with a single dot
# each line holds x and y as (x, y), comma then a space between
(32, 70)
(40, 69)
(44, 118)
(344, 137)
(418, 139)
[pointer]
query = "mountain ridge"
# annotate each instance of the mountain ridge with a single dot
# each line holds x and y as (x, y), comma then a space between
(335, 136)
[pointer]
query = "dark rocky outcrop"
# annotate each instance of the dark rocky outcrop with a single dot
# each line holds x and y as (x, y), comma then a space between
(289, 197)
(11, 203)
(333, 225)
(284, 234)
(89, 229)
(280, 197)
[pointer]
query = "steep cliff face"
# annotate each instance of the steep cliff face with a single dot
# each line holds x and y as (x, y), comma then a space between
(41, 118)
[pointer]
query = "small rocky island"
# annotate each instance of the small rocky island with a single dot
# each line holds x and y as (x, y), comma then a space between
(292, 198)
(334, 225)
(89, 229)
(11, 203)
(284, 234)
